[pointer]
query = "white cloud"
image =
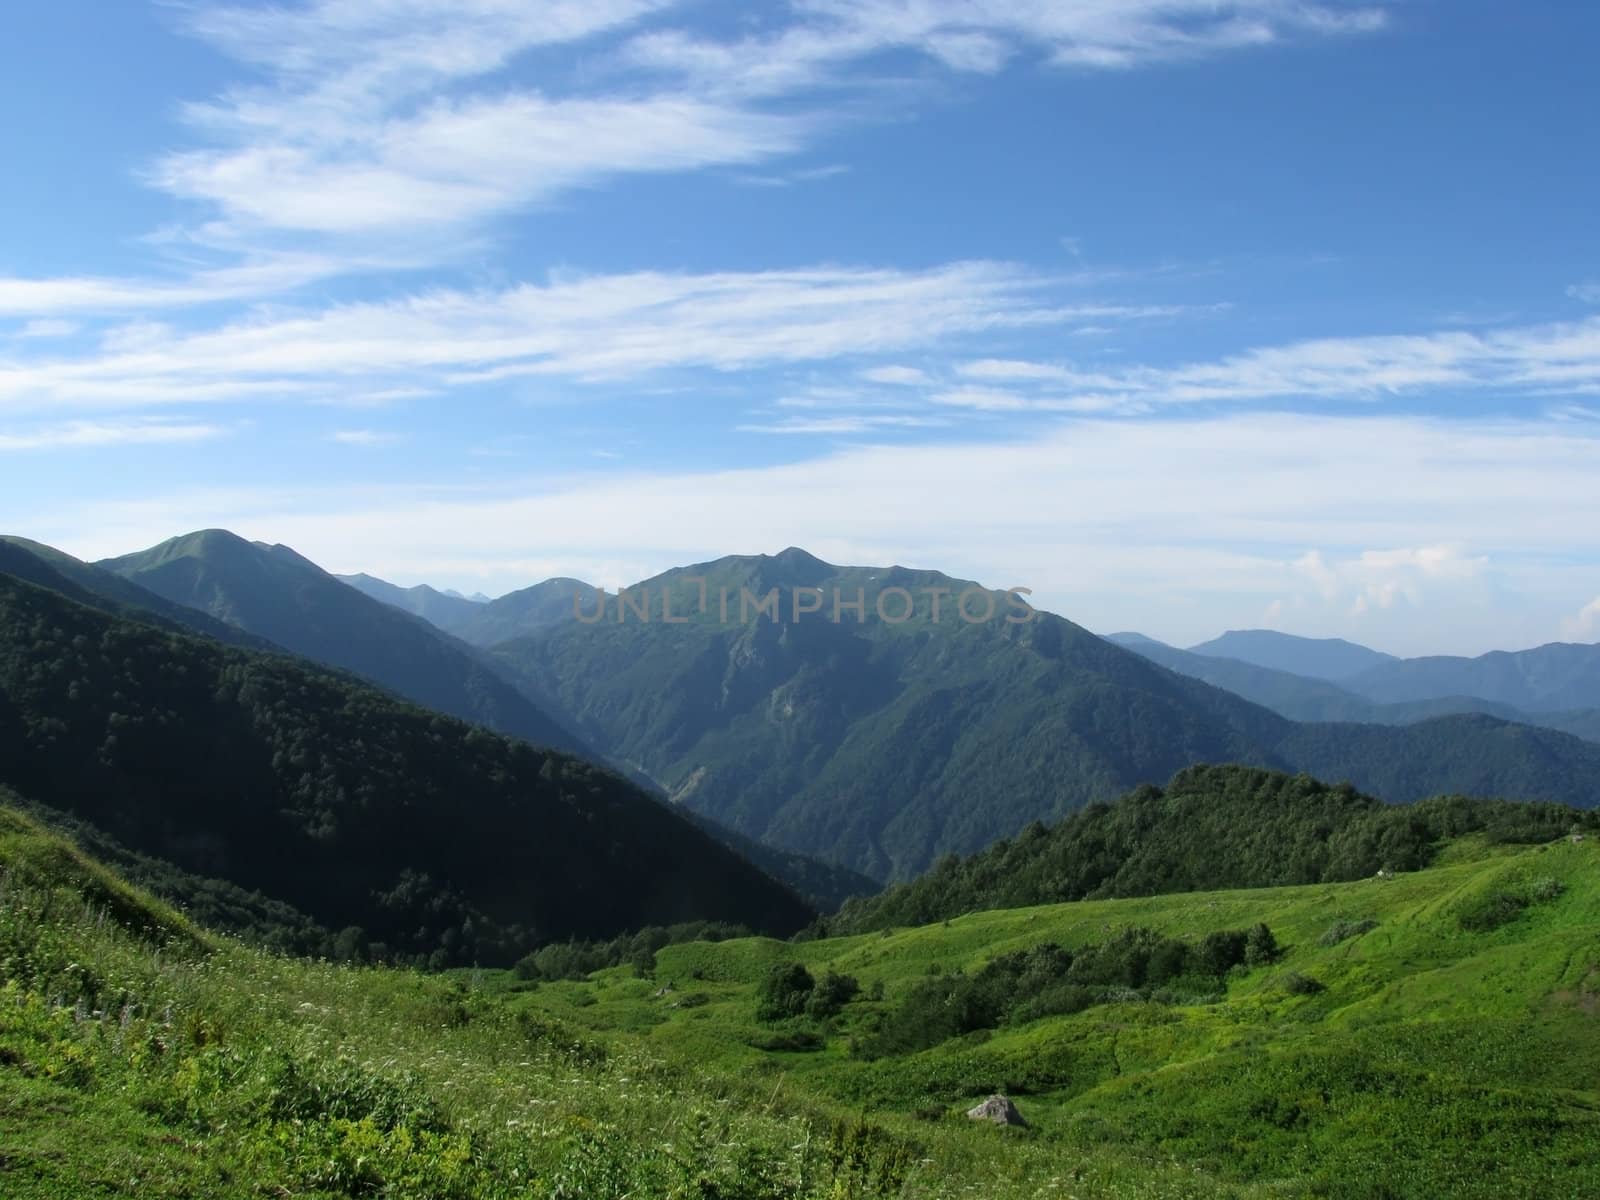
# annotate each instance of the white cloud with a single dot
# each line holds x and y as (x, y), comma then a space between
(92, 294)
(365, 437)
(1589, 293)
(1552, 359)
(381, 118)
(1585, 627)
(393, 134)
(47, 328)
(858, 423)
(586, 327)
(981, 36)
(91, 434)
(897, 375)
(1480, 533)
(459, 162)
(1380, 579)
(781, 179)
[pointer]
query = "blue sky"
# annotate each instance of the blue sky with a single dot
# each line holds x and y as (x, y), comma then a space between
(1186, 315)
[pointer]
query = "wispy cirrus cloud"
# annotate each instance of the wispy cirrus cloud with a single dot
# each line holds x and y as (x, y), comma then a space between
(264, 275)
(825, 36)
(47, 327)
(1550, 359)
(86, 434)
(395, 118)
(855, 423)
(576, 327)
(366, 438)
(383, 136)
(462, 161)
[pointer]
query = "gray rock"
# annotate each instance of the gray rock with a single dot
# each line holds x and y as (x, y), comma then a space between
(999, 1110)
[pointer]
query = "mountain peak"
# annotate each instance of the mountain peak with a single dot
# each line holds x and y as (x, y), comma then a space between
(1318, 658)
(795, 556)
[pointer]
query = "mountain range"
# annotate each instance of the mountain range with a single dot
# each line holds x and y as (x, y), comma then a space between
(1556, 686)
(481, 623)
(883, 744)
(932, 717)
(416, 834)
(1319, 658)
(274, 593)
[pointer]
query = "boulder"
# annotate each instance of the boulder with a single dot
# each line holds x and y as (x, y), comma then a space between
(999, 1110)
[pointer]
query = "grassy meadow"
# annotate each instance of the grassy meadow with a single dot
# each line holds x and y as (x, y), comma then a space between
(1431, 1034)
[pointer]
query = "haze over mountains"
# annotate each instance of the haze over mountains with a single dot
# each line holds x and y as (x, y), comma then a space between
(1556, 686)
(1320, 658)
(486, 622)
(876, 742)
(883, 745)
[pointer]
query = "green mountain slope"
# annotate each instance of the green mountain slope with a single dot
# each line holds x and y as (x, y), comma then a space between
(883, 744)
(431, 836)
(1421, 1036)
(513, 615)
(1211, 827)
(1301, 698)
(518, 613)
(275, 593)
(823, 885)
(1298, 697)
(432, 605)
(1430, 1035)
(874, 745)
(1558, 676)
(1318, 658)
(111, 593)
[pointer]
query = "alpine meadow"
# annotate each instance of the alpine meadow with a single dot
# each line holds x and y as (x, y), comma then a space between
(813, 600)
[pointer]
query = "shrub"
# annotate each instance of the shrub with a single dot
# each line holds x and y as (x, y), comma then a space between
(831, 994)
(790, 1039)
(1506, 905)
(1544, 890)
(1492, 911)
(1343, 931)
(784, 992)
(1260, 947)
(1220, 952)
(1297, 984)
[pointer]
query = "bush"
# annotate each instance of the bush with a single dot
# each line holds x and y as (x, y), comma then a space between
(1046, 980)
(1297, 984)
(784, 992)
(1343, 931)
(1544, 890)
(1506, 905)
(1260, 947)
(790, 1039)
(1220, 952)
(831, 994)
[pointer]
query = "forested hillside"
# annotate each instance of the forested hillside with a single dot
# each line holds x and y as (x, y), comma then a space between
(1211, 827)
(882, 744)
(275, 593)
(424, 836)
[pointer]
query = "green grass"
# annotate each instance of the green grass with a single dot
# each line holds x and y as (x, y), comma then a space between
(139, 1055)
(1437, 1057)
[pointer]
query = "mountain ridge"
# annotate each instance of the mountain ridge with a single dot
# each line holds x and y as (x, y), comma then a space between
(277, 593)
(433, 836)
